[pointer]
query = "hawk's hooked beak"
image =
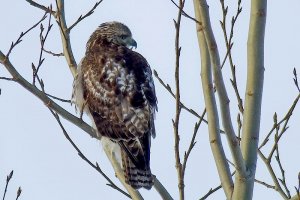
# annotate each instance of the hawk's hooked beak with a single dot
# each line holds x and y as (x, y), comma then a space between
(132, 43)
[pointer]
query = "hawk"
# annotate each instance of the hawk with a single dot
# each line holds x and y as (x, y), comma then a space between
(114, 86)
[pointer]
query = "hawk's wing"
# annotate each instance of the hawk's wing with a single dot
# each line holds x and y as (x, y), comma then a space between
(119, 92)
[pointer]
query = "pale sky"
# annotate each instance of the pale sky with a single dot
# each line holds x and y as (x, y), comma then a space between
(47, 167)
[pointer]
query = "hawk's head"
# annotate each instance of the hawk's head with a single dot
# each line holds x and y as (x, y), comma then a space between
(114, 32)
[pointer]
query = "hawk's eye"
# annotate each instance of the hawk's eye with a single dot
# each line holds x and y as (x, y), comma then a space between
(123, 37)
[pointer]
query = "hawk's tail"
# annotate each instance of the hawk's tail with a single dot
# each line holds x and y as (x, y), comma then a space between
(135, 177)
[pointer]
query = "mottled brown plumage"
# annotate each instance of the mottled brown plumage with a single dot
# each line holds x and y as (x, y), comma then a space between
(118, 93)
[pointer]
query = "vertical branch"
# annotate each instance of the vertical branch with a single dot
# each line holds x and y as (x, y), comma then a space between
(65, 36)
(221, 90)
(251, 119)
(211, 107)
(178, 107)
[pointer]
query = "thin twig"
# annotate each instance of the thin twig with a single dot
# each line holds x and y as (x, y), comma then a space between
(41, 59)
(65, 37)
(52, 53)
(284, 127)
(14, 44)
(230, 162)
(42, 7)
(278, 134)
(8, 178)
(84, 16)
(239, 121)
(57, 98)
(168, 88)
(44, 98)
(185, 14)
(19, 191)
(180, 173)
(193, 112)
(296, 79)
(192, 143)
(229, 45)
(7, 79)
(277, 137)
(95, 166)
(285, 118)
(273, 175)
(283, 179)
(265, 184)
(211, 191)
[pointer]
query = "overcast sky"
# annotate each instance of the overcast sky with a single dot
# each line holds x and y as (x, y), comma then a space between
(47, 167)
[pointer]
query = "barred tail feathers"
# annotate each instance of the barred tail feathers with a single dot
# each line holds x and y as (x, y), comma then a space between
(136, 177)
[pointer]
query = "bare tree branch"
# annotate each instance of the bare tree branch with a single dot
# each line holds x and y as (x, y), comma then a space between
(42, 7)
(253, 100)
(162, 190)
(273, 175)
(192, 143)
(7, 79)
(285, 120)
(57, 98)
(180, 173)
(211, 108)
(19, 192)
(229, 45)
(95, 166)
(52, 53)
(185, 14)
(223, 99)
(168, 88)
(84, 16)
(211, 191)
(41, 59)
(221, 90)
(44, 98)
(296, 79)
(239, 121)
(265, 184)
(283, 179)
(278, 134)
(65, 37)
(14, 44)
(8, 178)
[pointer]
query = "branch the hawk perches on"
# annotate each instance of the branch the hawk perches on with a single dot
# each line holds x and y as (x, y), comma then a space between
(114, 86)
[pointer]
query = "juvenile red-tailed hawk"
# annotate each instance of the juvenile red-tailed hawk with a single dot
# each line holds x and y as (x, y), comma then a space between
(114, 86)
